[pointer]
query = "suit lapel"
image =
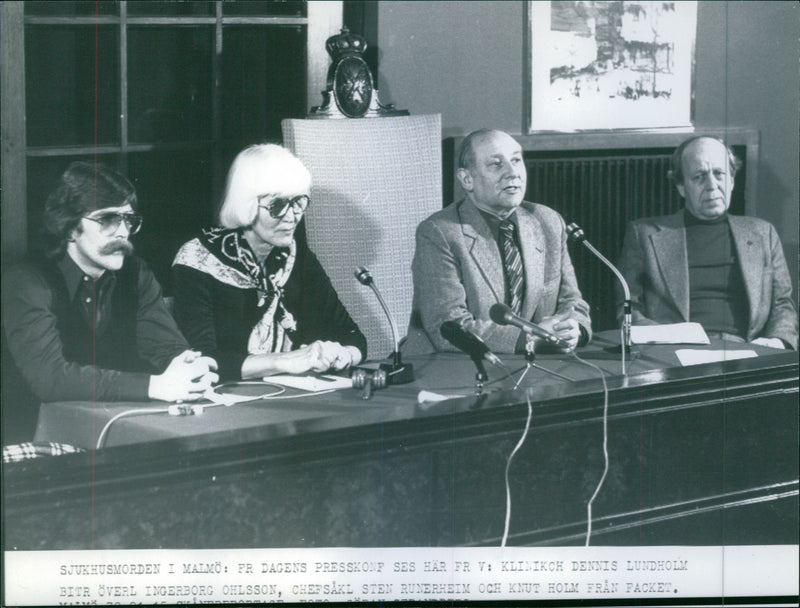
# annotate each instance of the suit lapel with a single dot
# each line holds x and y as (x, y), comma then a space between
(750, 254)
(531, 241)
(483, 248)
(669, 246)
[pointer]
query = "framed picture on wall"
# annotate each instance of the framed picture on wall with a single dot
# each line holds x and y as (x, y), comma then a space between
(609, 65)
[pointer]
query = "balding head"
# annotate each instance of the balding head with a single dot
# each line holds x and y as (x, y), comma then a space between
(466, 152)
(492, 171)
(676, 161)
(706, 169)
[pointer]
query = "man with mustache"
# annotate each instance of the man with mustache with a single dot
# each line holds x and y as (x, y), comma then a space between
(726, 272)
(494, 247)
(85, 320)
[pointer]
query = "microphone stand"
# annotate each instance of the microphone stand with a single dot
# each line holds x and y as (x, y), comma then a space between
(481, 377)
(396, 372)
(530, 358)
(472, 345)
(575, 232)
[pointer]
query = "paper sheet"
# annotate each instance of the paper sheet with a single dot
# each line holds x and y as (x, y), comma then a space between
(431, 397)
(312, 383)
(674, 333)
(694, 356)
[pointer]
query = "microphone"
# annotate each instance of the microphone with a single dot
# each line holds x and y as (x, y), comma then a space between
(575, 234)
(466, 341)
(503, 315)
(397, 372)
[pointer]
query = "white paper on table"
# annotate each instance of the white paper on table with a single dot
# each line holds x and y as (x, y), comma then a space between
(431, 397)
(315, 383)
(673, 333)
(694, 356)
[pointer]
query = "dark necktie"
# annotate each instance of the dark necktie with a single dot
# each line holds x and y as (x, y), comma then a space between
(512, 263)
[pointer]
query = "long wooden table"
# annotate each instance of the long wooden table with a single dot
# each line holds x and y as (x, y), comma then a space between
(706, 454)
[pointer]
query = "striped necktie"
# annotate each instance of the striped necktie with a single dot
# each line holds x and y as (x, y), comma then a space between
(512, 264)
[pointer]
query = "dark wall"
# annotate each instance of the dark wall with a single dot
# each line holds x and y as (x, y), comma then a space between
(465, 60)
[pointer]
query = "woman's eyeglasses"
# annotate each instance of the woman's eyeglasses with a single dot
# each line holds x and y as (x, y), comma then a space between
(109, 222)
(278, 206)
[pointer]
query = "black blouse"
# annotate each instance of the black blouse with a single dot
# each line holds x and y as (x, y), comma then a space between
(217, 318)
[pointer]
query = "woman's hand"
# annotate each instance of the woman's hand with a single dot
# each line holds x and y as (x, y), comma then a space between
(338, 357)
(319, 356)
(324, 356)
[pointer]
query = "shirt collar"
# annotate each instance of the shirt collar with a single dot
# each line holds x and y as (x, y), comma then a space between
(74, 276)
(493, 221)
(484, 211)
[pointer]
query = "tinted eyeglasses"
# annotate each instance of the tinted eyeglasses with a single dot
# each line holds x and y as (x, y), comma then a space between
(278, 206)
(109, 222)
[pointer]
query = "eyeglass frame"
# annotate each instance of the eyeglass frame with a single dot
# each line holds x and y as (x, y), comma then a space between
(289, 202)
(130, 220)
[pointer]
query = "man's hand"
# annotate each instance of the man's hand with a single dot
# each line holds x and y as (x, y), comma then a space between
(770, 342)
(563, 327)
(186, 378)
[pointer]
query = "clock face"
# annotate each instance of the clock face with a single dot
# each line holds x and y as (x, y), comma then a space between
(352, 86)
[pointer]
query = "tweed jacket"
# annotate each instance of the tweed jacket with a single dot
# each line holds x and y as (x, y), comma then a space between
(458, 275)
(654, 263)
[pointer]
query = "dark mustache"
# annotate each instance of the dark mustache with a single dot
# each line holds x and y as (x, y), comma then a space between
(114, 246)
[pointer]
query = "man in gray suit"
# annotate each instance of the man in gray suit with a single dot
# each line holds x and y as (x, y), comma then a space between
(701, 264)
(462, 265)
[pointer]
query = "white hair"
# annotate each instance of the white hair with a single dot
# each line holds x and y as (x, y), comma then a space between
(260, 169)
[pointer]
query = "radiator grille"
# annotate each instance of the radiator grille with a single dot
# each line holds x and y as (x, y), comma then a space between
(601, 193)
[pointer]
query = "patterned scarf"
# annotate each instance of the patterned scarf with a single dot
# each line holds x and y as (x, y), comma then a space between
(224, 254)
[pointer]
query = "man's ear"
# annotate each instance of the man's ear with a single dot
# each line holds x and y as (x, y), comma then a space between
(465, 179)
(73, 234)
(679, 187)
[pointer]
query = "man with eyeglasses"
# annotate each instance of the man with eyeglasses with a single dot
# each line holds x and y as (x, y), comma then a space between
(84, 319)
(251, 295)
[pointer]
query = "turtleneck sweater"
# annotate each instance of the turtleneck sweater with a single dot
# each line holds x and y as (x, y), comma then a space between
(717, 300)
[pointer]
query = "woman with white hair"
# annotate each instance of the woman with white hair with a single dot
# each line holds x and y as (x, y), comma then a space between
(247, 294)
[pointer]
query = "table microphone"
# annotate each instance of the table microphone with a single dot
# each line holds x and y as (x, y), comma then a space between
(397, 372)
(466, 341)
(575, 234)
(503, 315)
